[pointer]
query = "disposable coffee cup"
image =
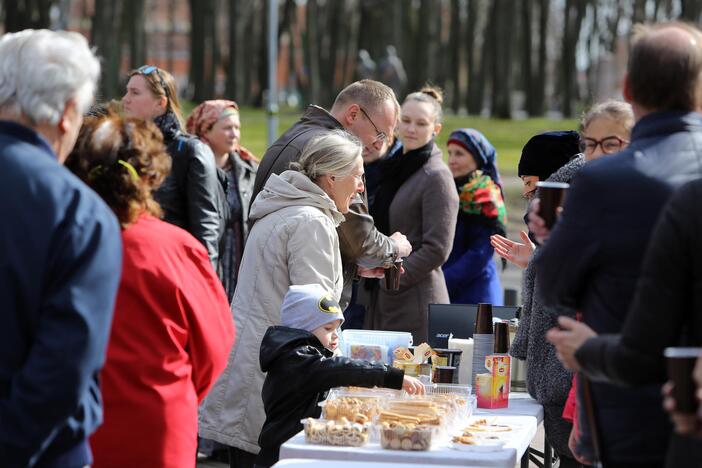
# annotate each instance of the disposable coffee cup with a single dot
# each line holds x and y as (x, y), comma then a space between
(551, 197)
(501, 338)
(444, 374)
(681, 363)
(483, 320)
(392, 276)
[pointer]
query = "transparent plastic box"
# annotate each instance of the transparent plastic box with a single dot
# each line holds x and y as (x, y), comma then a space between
(458, 394)
(389, 339)
(322, 432)
(402, 437)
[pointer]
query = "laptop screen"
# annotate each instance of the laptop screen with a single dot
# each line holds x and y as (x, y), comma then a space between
(459, 320)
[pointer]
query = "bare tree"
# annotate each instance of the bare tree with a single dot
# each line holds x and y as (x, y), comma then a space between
(502, 29)
(690, 10)
(134, 31)
(456, 37)
(23, 14)
(105, 34)
(574, 13)
(526, 69)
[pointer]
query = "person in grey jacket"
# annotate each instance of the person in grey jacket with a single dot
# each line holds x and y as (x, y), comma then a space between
(191, 196)
(293, 241)
(604, 128)
(369, 110)
(217, 123)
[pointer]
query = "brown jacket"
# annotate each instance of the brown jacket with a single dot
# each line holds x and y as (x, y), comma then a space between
(425, 209)
(359, 241)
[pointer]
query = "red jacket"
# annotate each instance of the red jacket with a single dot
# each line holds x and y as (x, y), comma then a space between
(170, 340)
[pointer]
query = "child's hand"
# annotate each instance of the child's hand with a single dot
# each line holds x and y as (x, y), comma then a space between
(412, 386)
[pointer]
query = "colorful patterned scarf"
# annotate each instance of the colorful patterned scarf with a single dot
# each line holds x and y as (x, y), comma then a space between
(481, 198)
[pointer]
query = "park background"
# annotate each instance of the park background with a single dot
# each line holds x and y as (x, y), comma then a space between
(510, 68)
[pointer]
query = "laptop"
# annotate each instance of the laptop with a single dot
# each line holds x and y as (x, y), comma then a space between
(459, 320)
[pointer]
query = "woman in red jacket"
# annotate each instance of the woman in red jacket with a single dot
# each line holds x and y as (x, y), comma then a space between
(172, 327)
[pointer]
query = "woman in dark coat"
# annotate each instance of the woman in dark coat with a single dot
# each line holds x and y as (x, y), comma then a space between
(191, 196)
(217, 123)
(416, 196)
(470, 271)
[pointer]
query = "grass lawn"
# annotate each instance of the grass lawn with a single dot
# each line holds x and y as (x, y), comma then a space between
(508, 136)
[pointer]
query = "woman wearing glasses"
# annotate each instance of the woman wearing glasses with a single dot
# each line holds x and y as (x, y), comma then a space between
(417, 197)
(191, 196)
(217, 123)
(604, 129)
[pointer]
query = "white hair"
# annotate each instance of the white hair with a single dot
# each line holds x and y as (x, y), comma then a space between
(331, 153)
(42, 70)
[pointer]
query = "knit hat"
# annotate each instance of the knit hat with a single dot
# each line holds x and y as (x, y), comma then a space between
(482, 150)
(547, 152)
(309, 306)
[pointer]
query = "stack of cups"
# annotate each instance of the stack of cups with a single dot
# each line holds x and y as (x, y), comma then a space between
(483, 340)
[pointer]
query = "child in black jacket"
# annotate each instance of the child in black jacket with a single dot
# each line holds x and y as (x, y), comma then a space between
(300, 365)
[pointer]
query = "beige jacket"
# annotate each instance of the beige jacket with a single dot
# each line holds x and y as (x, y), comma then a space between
(293, 241)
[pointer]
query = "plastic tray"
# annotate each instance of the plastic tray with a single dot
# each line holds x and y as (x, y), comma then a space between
(391, 339)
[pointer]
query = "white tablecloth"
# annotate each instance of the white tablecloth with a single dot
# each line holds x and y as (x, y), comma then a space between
(523, 413)
(520, 404)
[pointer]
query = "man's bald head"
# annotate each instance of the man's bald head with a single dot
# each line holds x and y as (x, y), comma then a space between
(665, 67)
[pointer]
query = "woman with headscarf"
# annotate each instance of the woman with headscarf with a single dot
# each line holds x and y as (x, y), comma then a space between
(217, 123)
(470, 271)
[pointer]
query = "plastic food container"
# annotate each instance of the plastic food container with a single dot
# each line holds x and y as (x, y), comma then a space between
(458, 395)
(401, 437)
(389, 339)
(320, 431)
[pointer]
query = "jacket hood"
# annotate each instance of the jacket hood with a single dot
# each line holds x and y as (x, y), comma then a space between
(292, 188)
(279, 340)
(568, 171)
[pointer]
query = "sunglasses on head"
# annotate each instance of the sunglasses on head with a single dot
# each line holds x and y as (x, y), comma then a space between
(149, 69)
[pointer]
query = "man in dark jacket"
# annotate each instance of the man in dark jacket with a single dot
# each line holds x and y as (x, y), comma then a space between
(593, 257)
(369, 110)
(60, 256)
(665, 312)
(298, 357)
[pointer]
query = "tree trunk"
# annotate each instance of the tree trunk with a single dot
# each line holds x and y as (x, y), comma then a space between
(23, 14)
(502, 29)
(105, 35)
(261, 68)
(690, 10)
(526, 65)
(197, 47)
(539, 83)
(354, 18)
(473, 102)
(312, 55)
(456, 37)
(574, 14)
(134, 31)
(170, 39)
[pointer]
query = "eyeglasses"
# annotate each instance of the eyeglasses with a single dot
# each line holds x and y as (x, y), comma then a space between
(379, 136)
(149, 69)
(609, 145)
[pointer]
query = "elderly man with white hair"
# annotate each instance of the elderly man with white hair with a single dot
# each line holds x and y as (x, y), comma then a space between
(60, 255)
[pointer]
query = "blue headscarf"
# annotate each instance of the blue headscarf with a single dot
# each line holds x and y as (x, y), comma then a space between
(482, 150)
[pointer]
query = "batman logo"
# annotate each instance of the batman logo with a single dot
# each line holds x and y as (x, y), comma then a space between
(328, 305)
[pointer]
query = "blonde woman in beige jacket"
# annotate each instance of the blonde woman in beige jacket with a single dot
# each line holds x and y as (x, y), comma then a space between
(293, 241)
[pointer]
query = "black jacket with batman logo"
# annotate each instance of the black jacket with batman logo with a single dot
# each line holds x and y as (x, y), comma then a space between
(299, 373)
